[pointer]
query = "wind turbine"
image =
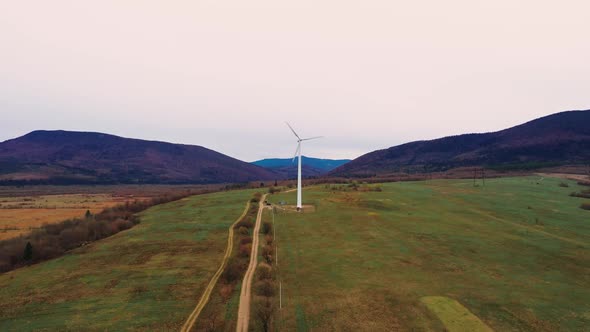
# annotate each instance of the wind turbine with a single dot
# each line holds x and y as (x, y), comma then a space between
(298, 154)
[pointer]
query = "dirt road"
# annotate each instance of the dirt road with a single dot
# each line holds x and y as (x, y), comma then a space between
(246, 293)
(190, 322)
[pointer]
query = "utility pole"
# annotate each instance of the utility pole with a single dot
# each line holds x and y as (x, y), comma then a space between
(280, 295)
(274, 237)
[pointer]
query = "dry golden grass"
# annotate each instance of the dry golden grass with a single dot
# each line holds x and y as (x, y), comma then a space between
(19, 215)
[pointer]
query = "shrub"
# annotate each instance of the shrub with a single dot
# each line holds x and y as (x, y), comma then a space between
(267, 252)
(243, 230)
(246, 240)
(245, 250)
(264, 271)
(28, 254)
(233, 271)
(225, 292)
(256, 198)
(583, 194)
(246, 222)
(585, 206)
(273, 190)
(264, 312)
(265, 288)
(266, 227)
(268, 238)
(564, 185)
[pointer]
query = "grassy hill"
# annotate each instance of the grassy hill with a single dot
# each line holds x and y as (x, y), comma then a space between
(428, 255)
(64, 157)
(558, 139)
(512, 255)
(147, 278)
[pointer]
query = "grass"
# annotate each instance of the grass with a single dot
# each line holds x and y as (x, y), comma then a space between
(513, 253)
(221, 311)
(146, 278)
(453, 315)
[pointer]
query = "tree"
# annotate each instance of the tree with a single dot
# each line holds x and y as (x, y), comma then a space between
(88, 215)
(28, 255)
(276, 184)
(264, 311)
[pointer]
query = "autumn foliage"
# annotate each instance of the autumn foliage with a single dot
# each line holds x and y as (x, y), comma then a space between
(53, 240)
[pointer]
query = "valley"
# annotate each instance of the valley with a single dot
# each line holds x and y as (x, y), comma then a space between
(432, 255)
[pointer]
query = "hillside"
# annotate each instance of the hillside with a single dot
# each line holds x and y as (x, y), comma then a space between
(64, 157)
(561, 138)
(309, 167)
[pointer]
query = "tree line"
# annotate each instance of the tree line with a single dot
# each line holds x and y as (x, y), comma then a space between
(215, 314)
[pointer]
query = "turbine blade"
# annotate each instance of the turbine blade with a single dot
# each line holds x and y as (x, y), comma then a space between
(296, 151)
(293, 130)
(309, 139)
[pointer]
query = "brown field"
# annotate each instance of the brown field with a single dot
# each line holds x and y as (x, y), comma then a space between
(19, 215)
(25, 208)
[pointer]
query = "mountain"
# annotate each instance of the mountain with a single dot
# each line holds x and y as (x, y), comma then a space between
(66, 157)
(309, 166)
(561, 138)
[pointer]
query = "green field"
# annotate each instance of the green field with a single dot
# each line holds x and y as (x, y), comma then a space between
(513, 255)
(433, 255)
(147, 278)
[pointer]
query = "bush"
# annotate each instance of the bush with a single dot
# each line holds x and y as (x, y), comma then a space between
(266, 227)
(243, 230)
(245, 250)
(267, 252)
(28, 254)
(256, 198)
(246, 240)
(564, 185)
(582, 194)
(265, 288)
(247, 222)
(273, 190)
(264, 271)
(264, 312)
(585, 206)
(268, 238)
(225, 292)
(233, 271)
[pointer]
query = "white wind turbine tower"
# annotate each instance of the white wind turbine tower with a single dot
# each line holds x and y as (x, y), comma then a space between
(298, 154)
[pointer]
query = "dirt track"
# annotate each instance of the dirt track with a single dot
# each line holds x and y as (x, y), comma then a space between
(190, 322)
(246, 293)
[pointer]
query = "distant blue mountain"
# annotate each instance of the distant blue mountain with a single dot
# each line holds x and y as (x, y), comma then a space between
(310, 166)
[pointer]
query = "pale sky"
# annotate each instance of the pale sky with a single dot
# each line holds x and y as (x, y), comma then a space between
(227, 74)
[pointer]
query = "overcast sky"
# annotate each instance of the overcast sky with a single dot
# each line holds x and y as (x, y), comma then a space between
(227, 74)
